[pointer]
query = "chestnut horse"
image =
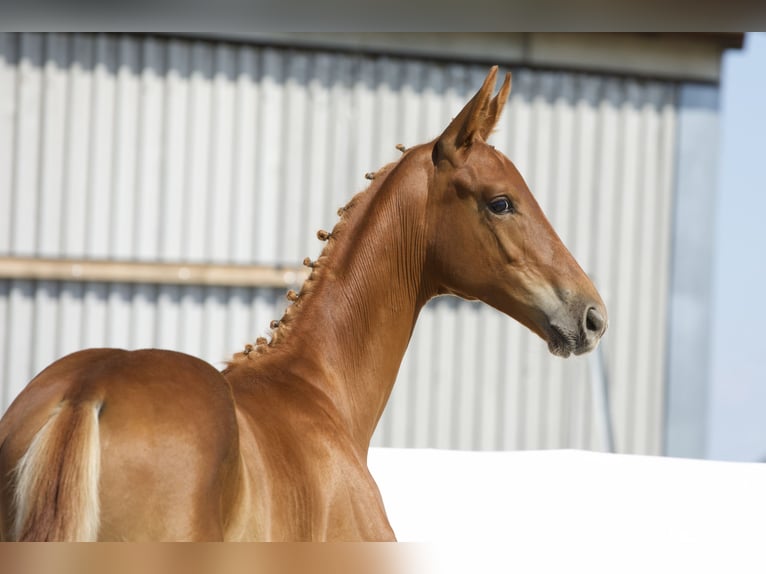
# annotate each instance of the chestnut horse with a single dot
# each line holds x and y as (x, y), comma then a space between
(108, 444)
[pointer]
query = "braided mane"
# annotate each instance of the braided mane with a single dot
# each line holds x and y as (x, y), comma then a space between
(280, 328)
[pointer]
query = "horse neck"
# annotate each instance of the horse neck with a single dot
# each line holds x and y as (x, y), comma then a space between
(355, 314)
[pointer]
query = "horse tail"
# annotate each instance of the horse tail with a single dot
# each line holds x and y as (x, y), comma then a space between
(56, 495)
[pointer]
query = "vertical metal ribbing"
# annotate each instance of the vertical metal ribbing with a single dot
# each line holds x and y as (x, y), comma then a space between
(176, 120)
(149, 152)
(123, 180)
(26, 129)
(9, 71)
(219, 177)
(181, 150)
(659, 294)
(53, 137)
(244, 136)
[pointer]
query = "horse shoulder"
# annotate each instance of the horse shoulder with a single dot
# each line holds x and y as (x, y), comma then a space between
(307, 480)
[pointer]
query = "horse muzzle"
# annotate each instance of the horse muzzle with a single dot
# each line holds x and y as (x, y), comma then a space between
(577, 333)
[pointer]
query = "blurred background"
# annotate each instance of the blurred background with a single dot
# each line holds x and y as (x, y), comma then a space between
(161, 190)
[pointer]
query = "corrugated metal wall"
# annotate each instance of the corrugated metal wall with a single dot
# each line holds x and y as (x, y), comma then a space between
(155, 149)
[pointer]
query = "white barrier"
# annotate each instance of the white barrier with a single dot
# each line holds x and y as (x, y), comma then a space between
(575, 511)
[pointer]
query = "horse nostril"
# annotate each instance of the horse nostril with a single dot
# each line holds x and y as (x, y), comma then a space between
(594, 321)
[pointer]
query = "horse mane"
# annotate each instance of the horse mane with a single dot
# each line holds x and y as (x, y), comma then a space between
(280, 328)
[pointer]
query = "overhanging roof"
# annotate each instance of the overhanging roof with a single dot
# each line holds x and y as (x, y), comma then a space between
(673, 56)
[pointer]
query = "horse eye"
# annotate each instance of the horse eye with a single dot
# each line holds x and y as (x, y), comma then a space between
(501, 205)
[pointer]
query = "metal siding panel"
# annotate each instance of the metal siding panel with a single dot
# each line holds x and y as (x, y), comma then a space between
(582, 238)
(213, 326)
(192, 324)
(469, 376)
(238, 319)
(539, 177)
(690, 293)
(44, 331)
(623, 310)
(268, 159)
(411, 96)
(513, 399)
(20, 339)
(443, 362)
(173, 150)
(387, 111)
(175, 131)
(585, 150)
(650, 193)
(518, 147)
(342, 182)
(606, 184)
(25, 183)
(577, 398)
(143, 315)
(567, 378)
(54, 132)
(7, 393)
(149, 153)
(100, 161)
(588, 238)
(119, 313)
(362, 103)
(512, 138)
(79, 147)
(243, 172)
(294, 232)
(426, 377)
(566, 159)
(197, 223)
(50, 320)
(71, 330)
(124, 152)
(657, 385)
(491, 346)
(560, 164)
(168, 316)
(94, 314)
(9, 72)
(318, 121)
(220, 181)
(434, 109)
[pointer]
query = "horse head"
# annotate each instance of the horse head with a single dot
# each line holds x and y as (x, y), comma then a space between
(489, 239)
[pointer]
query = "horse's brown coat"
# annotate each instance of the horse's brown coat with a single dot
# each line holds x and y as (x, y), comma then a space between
(275, 446)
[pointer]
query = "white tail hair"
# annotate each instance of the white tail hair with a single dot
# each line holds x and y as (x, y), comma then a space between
(56, 487)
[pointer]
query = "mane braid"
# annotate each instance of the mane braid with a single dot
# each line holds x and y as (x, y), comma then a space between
(280, 328)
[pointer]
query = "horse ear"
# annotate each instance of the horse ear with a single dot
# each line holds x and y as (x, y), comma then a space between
(476, 118)
(496, 107)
